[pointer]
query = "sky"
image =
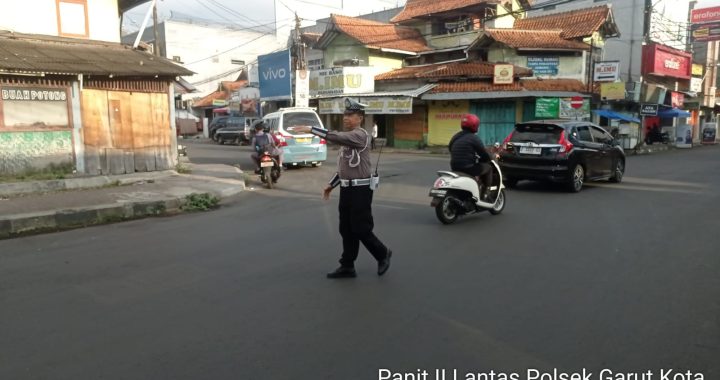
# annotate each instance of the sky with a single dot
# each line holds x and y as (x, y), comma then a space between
(257, 13)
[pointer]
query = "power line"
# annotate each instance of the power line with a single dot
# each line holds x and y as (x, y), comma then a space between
(232, 48)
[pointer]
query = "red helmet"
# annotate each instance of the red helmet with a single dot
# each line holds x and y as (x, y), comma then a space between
(470, 122)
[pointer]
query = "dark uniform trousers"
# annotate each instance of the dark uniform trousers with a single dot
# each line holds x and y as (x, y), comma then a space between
(356, 225)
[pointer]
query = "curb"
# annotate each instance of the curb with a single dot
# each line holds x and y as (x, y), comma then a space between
(17, 188)
(57, 220)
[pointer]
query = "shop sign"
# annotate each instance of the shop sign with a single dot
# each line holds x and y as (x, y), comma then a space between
(606, 71)
(696, 84)
(697, 69)
(33, 94)
(219, 102)
(702, 15)
(648, 109)
(612, 91)
(544, 65)
(547, 108)
(275, 76)
(677, 99)
(342, 80)
(567, 111)
(380, 105)
(302, 88)
(664, 61)
(503, 74)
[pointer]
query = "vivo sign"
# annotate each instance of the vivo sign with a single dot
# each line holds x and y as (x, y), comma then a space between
(275, 78)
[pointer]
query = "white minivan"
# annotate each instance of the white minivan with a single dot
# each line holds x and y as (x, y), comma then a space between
(299, 148)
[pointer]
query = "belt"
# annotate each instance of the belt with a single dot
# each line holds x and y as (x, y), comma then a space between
(354, 182)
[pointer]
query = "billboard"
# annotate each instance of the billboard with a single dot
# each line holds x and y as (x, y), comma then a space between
(705, 24)
(275, 76)
(342, 81)
(606, 71)
(544, 65)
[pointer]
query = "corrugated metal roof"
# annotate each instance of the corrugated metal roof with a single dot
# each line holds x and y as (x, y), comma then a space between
(26, 53)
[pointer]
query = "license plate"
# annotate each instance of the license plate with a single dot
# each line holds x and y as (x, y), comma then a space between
(266, 164)
(530, 150)
(303, 140)
(438, 193)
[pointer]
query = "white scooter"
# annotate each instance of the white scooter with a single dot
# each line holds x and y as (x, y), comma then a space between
(455, 194)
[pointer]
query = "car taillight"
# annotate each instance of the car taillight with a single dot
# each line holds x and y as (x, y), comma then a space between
(565, 144)
(323, 142)
(504, 147)
(281, 139)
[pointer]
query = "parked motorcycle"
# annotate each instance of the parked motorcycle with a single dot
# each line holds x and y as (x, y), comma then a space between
(455, 194)
(656, 135)
(269, 169)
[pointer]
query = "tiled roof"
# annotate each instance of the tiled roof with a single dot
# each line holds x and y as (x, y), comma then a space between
(523, 84)
(449, 70)
(533, 39)
(419, 8)
(230, 86)
(207, 101)
(574, 24)
(33, 53)
(378, 35)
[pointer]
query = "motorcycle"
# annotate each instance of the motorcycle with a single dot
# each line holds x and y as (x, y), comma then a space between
(455, 194)
(656, 135)
(269, 169)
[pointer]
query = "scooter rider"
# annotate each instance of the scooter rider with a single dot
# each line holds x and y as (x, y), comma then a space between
(259, 141)
(464, 147)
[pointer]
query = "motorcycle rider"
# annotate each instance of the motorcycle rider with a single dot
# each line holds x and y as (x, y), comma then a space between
(465, 147)
(259, 141)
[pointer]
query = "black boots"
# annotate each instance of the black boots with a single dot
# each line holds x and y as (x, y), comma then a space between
(342, 272)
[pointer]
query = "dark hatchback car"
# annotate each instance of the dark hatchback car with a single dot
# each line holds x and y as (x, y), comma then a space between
(563, 151)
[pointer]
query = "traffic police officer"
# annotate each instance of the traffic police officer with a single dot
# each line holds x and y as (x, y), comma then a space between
(356, 191)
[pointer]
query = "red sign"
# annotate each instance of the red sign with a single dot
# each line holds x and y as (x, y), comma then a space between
(665, 61)
(576, 102)
(677, 99)
(705, 15)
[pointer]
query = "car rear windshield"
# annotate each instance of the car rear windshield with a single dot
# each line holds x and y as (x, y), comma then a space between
(297, 119)
(537, 133)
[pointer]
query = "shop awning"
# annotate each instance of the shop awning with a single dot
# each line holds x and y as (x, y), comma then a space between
(412, 93)
(614, 115)
(675, 112)
(501, 95)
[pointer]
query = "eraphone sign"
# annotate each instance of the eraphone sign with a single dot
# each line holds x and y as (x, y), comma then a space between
(705, 15)
(34, 94)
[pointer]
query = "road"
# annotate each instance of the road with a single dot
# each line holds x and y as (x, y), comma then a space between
(619, 276)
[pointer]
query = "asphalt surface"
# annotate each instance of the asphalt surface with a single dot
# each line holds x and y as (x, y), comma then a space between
(619, 276)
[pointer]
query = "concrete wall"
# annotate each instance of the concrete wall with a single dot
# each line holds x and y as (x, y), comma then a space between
(40, 17)
(629, 17)
(344, 47)
(25, 151)
(568, 67)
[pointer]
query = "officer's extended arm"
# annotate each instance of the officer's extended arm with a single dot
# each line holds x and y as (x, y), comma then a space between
(353, 140)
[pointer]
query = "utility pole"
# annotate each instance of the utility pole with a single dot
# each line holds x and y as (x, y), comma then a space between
(299, 46)
(156, 46)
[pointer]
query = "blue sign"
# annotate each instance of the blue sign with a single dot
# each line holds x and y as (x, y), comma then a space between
(544, 65)
(275, 76)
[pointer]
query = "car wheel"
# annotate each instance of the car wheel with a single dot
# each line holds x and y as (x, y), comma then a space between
(619, 172)
(499, 203)
(510, 182)
(577, 178)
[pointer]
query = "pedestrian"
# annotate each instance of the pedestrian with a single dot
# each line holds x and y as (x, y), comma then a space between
(356, 191)
(374, 135)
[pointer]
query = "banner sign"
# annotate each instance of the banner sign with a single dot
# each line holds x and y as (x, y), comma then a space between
(275, 76)
(702, 15)
(376, 105)
(697, 69)
(503, 74)
(33, 94)
(661, 60)
(606, 71)
(343, 81)
(567, 111)
(544, 65)
(677, 99)
(696, 84)
(705, 32)
(547, 108)
(612, 91)
(648, 109)
(302, 88)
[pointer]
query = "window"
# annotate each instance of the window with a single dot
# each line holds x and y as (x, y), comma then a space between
(583, 134)
(72, 16)
(537, 133)
(600, 136)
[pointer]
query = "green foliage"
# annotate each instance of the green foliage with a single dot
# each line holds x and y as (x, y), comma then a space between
(200, 202)
(182, 169)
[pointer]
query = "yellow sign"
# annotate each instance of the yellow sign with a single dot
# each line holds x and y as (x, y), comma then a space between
(612, 91)
(444, 120)
(697, 69)
(503, 74)
(219, 102)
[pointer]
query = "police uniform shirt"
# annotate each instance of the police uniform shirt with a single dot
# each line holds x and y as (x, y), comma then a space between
(354, 156)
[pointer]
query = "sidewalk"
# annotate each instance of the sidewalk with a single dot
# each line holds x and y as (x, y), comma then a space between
(42, 206)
